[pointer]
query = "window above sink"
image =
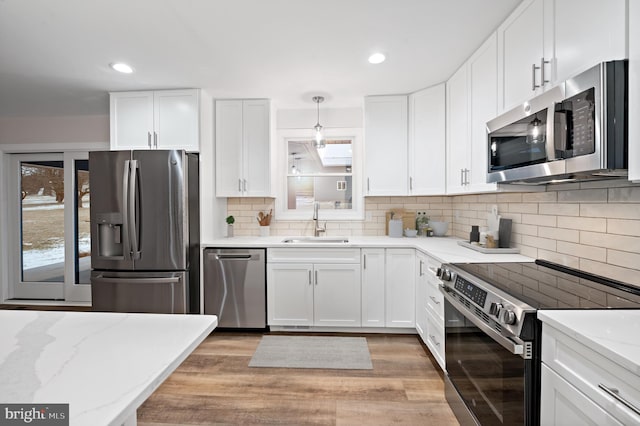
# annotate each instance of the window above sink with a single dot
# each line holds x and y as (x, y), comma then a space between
(330, 176)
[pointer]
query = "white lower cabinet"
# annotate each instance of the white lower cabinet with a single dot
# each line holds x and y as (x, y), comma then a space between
(372, 261)
(290, 294)
(563, 404)
(304, 291)
(430, 306)
(400, 288)
(574, 384)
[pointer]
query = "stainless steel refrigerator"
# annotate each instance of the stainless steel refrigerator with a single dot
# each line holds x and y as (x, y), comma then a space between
(145, 231)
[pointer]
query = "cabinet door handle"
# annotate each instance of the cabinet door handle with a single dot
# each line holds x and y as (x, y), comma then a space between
(534, 86)
(461, 177)
(155, 139)
(316, 272)
(309, 276)
(239, 185)
(421, 271)
(149, 139)
(615, 393)
(244, 185)
(543, 81)
(466, 176)
(434, 300)
(367, 185)
(433, 338)
(364, 261)
(410, 183)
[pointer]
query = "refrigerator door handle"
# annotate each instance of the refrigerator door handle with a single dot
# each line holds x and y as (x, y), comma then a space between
(108, 280)
(126, 243)
(135, 249)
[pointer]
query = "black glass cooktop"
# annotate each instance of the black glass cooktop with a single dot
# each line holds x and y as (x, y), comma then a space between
(546, 285)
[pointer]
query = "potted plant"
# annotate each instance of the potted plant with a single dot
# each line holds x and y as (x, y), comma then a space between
(230, 221)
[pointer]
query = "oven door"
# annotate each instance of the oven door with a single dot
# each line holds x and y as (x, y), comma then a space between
(490, 375)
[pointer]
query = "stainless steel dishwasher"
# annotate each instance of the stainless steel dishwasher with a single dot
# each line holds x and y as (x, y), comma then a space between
(235, 287)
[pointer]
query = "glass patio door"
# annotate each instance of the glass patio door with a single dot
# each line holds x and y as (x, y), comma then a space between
(50, 254)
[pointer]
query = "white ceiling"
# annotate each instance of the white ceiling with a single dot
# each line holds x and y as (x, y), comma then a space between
(54, 54)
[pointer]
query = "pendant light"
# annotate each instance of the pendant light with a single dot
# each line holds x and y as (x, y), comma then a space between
(535, 131)
(318, 140)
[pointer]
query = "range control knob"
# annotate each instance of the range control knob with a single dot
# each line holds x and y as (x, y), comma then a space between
(445, 275)
(509, 317)
(495, 308)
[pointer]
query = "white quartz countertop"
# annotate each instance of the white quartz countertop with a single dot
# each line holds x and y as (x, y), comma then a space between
(104, 365)
(614, 333)
(444, 249)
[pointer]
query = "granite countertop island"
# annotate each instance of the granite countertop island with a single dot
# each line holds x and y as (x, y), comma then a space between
(444, 249)
(104, 365)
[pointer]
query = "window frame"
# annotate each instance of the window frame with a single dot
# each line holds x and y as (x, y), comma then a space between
(356, 213)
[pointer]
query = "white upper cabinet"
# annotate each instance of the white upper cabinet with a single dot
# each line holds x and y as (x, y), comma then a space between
(457, 131)
(483, 106)
(544, 42)
(581, 40)
(405, 143)
(471, 102)
(520, 45)
(385, 125)
(162, 119)
(634, 90)
(427, 141)
(243, 148)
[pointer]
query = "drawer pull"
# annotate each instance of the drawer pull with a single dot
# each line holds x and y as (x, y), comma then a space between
(433, 338)
(434, 300)
(615, 393)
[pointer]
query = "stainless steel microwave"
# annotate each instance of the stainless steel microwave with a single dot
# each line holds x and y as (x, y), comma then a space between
(574, 131)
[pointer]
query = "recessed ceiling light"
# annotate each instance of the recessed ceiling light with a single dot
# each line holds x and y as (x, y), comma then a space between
(377, 58)
(121, 67)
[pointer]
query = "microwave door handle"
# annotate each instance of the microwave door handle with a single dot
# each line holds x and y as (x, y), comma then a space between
(508, 344)
(550, 145)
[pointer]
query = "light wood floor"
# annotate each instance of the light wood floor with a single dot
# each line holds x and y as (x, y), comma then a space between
(215, 386)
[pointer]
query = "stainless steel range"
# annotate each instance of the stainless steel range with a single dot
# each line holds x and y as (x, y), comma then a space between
(493, 338)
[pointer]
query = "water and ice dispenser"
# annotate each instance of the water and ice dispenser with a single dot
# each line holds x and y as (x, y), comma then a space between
(110, 234)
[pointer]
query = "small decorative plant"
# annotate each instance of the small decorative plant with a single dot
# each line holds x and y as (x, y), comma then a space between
(230, 221)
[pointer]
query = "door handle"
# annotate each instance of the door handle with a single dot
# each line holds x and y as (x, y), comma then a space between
(543, 81)
(434, 300)
(244, 185)
(364, 261)
(113, 280)
(534, 86)
(232, 256)
(239, 185)
(316, 272)
(410, 183)
(125, 209)
(421, 271)
(135, 251)
(149, 139)
(155, 139)
(615, 394)
(368, 187)
(461, 177)
(309, 276)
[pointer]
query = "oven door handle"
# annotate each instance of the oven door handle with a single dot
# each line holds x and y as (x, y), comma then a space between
(505, 342)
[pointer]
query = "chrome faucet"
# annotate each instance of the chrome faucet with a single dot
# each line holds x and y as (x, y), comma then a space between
(317, 228)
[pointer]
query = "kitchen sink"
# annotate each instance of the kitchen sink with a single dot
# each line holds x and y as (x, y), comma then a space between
(314, 240)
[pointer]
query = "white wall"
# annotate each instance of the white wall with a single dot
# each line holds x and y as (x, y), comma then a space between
(329, 118)
(52, 130)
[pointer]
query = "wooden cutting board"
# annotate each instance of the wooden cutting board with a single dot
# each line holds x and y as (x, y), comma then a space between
(408, 219)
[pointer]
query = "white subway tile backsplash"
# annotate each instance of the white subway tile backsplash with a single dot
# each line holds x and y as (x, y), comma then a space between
(583, 196)
(623, 226)
(582, 251)
(560, 209)
(592, 225)
(615, 211)
(583, 223)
